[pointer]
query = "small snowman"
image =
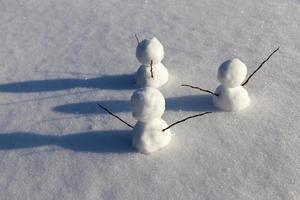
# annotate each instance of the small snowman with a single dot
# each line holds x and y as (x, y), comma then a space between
(150, 133)
(148, 106)
(152, 73)
(231, 95)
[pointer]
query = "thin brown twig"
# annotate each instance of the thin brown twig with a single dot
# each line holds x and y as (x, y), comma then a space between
(203, 90)
(260, 66)
(151, 68)
(114, 115)
(136, 37)
(190, 117)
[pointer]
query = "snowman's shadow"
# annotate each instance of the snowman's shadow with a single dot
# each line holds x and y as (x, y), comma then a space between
(110, 141)
(199, 103)
(112, 82)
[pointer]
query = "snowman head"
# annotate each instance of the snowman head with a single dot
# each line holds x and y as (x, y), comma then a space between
(150, 50)
(147, 104)
(232, 73)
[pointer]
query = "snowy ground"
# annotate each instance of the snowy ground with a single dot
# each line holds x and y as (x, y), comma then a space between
(58, 58)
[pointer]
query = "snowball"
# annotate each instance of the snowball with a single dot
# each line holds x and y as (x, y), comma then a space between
(150, 49)
(160, 76)
(231, 99)
(232, 73)
(149, 137)
(147, 104)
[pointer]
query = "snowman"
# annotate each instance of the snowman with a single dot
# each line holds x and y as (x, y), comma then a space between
(230, 95)
(150, 133)
(148, 106)
(152, 73)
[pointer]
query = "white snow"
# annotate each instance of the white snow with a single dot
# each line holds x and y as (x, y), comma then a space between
(148, 137)
(147, 104)
(59, 58)
(160, 76)
(231, 99)
(150, 50)
(232, 73)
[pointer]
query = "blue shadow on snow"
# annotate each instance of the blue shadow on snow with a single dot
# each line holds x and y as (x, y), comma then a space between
(113, 82)
(198, 103)
(116, 141)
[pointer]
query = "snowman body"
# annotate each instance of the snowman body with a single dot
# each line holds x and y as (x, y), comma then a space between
(151, 52)
(148, 106)
(143, 76)
(231, 95)
(148, 137)
(231, 99)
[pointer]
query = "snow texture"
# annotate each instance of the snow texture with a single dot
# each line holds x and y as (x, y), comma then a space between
(60, 58)
(147, 104)
(148, 137)
(150, 50)
(231, 99)
(160, 76)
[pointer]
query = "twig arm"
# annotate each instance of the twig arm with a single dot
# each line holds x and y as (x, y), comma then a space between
(190, 117)
(102, 107)
(151, 69)
(201, 89)
(260, 66)
(136, 37)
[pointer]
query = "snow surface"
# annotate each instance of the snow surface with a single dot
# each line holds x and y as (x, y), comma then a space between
(59, 58)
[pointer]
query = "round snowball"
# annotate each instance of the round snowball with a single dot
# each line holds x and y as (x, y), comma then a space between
(150, 49)
(232, 73)
(160, 76)
(149, 137)
(147, 104)
(231, 99)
